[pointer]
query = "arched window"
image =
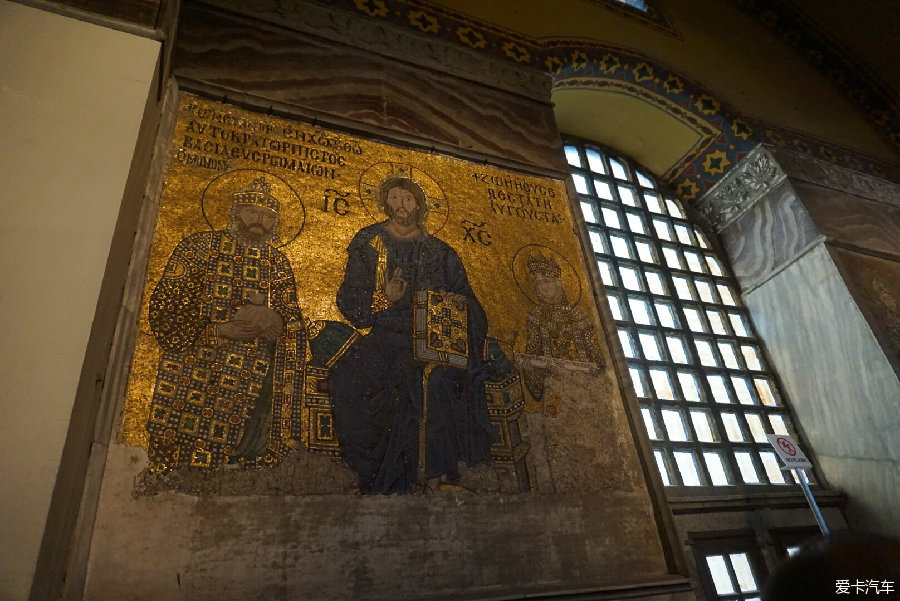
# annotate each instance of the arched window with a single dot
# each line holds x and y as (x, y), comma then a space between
(707, 393)
(638, 4)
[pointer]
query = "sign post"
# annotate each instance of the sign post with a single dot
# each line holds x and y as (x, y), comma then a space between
(795, 460)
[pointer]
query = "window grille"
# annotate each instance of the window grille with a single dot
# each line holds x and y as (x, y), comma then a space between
(731, 566)
(638, 4)
(706, 392)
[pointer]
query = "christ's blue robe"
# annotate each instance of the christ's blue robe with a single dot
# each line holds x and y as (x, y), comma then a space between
(377, 387)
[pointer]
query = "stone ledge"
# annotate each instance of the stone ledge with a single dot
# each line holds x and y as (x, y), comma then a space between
(823, 173)
(765, 167)
(746, 183)
(393, 42)
(777, 500)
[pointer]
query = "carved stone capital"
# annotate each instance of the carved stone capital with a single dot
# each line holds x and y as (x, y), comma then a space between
(823, 173)
(749, 181)
(388, 40)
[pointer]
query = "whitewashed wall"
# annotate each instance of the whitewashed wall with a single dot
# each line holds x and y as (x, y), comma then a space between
(72, 96)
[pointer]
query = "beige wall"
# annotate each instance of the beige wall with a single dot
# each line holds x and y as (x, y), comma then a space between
(72, 96)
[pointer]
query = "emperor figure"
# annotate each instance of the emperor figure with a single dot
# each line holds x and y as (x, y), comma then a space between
(226, 316)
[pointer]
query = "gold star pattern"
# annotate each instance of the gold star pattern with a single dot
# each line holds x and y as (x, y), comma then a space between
(609, 63)
(425, 22)
(373, 8)
(553, 64)
(579, 60)
(469, 36)
(716, 162)
(673, 85)
(741, 129)
(687, 190)
(642, 72)
(516, 52)
(707, 105)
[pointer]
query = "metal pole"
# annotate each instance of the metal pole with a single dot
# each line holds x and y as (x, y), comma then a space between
(801, 475)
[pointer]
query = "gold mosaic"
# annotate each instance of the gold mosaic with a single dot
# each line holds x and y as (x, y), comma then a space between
(270, 231)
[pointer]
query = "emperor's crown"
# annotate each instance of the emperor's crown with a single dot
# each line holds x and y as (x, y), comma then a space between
(258, 194)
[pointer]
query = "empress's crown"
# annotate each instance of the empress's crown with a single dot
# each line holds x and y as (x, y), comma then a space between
(538, 264)
(259, 194)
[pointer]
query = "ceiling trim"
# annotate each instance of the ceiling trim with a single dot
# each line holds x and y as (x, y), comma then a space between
(877, 101)
(556, 55)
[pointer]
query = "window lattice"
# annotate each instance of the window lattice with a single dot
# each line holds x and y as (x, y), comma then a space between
(731, 567)
(638, 4)
(707, 395)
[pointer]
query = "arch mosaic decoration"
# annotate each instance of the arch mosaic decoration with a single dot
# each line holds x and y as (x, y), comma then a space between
(728, 137)
(599, 64)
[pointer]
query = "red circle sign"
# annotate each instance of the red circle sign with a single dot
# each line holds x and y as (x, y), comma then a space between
(787, 447)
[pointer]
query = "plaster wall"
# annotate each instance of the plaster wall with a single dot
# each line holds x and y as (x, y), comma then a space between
(72, 97)
(363, 547)
(842, 387)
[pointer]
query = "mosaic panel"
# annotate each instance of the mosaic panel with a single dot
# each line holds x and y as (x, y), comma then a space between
(384, 318)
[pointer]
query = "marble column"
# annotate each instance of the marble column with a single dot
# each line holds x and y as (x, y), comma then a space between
(816, 250)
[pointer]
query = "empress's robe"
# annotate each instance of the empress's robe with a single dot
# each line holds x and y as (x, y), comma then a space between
(558, 331)
(379, 391)
(219, 400)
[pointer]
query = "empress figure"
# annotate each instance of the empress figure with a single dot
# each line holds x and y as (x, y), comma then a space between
(397, 415)
(555, 330)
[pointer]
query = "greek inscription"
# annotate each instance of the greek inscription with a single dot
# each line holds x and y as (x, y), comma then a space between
(206, 162)
(511, 196)
(226, 118)
(476, 232)
(525, 213)
(337, 200)
(515, 184)
(320, 138)
(225, 151)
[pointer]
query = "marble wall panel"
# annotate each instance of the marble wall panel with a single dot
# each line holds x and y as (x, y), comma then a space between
(841, 386)
(398, 38)
(334, 80)
(851, 219)
(768, 236)
(875, 284)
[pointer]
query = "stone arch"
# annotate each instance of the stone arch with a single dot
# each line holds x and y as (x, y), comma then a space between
(661, 118)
